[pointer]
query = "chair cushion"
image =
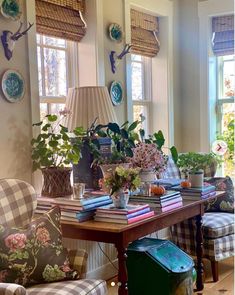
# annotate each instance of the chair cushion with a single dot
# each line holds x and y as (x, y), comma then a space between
(218, 224)
(34, 254)
(78, 287)
(226, 202)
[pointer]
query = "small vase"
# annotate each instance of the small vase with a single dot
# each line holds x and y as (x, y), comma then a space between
(196, 178)
(120, 199)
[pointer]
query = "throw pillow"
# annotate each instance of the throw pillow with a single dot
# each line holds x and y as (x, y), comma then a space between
(35, 254)
(224, 203)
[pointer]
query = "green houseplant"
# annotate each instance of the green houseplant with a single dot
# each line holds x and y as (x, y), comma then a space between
(53, 151)
(193, 163)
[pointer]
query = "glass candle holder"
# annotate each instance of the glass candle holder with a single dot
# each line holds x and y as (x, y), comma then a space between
(78, 190)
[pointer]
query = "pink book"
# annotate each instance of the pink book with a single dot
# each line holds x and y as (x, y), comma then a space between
(128, 221)
(130, 208)
(170, 207)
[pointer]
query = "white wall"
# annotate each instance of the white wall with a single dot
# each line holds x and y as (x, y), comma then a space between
(15, 118)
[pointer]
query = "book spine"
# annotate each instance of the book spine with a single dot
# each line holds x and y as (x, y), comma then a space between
(123, 212)
(97, 204)
(165, 204)
(170, 207)
(121, 216)
(140, 217)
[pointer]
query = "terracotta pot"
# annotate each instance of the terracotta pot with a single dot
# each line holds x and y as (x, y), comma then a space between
(56, 182)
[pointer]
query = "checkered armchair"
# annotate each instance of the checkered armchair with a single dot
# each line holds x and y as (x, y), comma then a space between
(217, 228)
(17, 205)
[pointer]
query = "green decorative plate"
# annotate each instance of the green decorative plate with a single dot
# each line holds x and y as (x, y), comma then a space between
(115, 32)
(11, 9)
(13, 85)
(116, 93)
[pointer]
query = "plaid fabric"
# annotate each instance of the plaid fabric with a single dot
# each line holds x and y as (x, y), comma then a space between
(11, 289)
(218, 224)
(78, 260)
(17, 202)
(79, 287)
(172, 171)
(184, 235)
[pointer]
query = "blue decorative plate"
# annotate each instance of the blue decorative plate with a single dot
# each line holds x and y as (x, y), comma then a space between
(115, 32)
(11, 9)
(116, 93)
(13, 85)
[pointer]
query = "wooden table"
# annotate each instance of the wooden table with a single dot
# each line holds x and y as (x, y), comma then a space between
(121, 235)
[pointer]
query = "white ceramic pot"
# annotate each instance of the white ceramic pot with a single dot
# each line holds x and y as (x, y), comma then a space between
(120, 199)
(147, 175)
(196, 178)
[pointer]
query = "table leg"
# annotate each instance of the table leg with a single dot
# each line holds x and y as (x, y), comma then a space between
(122, 271)
(199, 252)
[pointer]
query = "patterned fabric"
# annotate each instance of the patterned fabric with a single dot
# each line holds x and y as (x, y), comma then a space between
(184, 235)
(218, 224)
(172, 171)
(11, 289)
(78, 261)
(17, 202)
(226, 202)
(80, 287)
(34, 254)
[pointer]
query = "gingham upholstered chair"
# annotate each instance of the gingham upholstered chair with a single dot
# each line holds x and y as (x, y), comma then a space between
(17, 205)
(217, 227)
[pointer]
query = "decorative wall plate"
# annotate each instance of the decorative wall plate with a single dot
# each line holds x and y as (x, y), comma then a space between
(115, 32)
(13, 85)
(116, 93)
(11, 9)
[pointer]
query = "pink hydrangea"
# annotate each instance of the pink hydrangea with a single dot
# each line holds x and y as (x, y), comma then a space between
(148, 157)
(15, 241)
(42, 235)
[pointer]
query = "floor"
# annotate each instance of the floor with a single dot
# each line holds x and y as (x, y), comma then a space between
(225, 285)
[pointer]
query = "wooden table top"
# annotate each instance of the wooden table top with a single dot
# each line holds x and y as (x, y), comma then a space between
(116, 227)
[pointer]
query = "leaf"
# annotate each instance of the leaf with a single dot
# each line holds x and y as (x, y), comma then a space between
(53, 143)
(124, 133)
(159, 139)
(129, 152)
(142, 134)
(133, 126)
(101, 133)
(131, 143)
(114, 127)
(174, 154)
(46, 127)
(38, 124)
(51, 118)
(125, 124)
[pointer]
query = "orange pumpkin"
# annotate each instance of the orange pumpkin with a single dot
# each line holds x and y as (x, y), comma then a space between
(158, 190)
(185, 184)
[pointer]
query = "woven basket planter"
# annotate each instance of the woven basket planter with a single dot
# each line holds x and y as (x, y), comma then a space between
(56, 182)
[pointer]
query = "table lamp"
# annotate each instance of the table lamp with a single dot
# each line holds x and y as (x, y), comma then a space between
(86, 104)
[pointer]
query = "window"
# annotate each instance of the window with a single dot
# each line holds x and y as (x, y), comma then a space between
(52, 56)
(141, 89)
(226, 108)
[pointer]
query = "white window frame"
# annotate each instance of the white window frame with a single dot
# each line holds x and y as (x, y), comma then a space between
(147, 91)
(71, 54)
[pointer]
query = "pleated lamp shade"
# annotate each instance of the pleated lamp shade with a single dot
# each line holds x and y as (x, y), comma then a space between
(87, 103)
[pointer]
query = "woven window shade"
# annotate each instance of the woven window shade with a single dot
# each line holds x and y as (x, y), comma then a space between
(223, 35)
(61, 18)
(144, 30)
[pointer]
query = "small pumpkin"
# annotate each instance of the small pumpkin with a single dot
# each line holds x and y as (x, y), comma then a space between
(185, 184)
(158, 190)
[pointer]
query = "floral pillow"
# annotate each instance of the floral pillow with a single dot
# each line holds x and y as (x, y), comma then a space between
(225, 203)
(34, 254)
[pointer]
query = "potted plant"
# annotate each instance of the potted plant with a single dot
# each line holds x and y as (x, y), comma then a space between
(194, 164)
(53, 152)
(120, 182)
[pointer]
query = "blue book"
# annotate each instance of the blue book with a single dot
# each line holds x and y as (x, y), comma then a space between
(205, 188)
(87, 199)
(122, 216)
(97, 204)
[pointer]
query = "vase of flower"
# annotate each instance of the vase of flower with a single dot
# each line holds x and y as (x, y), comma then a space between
(120, 182)
(120, 199)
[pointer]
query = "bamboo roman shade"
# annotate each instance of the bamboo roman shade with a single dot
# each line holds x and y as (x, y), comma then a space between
(61, 18)
(223, 35)
(144, 30)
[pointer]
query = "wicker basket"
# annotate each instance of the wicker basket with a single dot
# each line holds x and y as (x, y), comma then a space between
(56, 182)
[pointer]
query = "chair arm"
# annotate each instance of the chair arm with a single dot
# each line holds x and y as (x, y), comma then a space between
(78, 260)
(12, 289)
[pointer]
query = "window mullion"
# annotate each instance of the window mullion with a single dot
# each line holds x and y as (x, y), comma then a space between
(42, 70)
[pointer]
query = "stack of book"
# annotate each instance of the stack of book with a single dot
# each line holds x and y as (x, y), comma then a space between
(74, 209)
(133, 213)
(170, 200)
(194, 193)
